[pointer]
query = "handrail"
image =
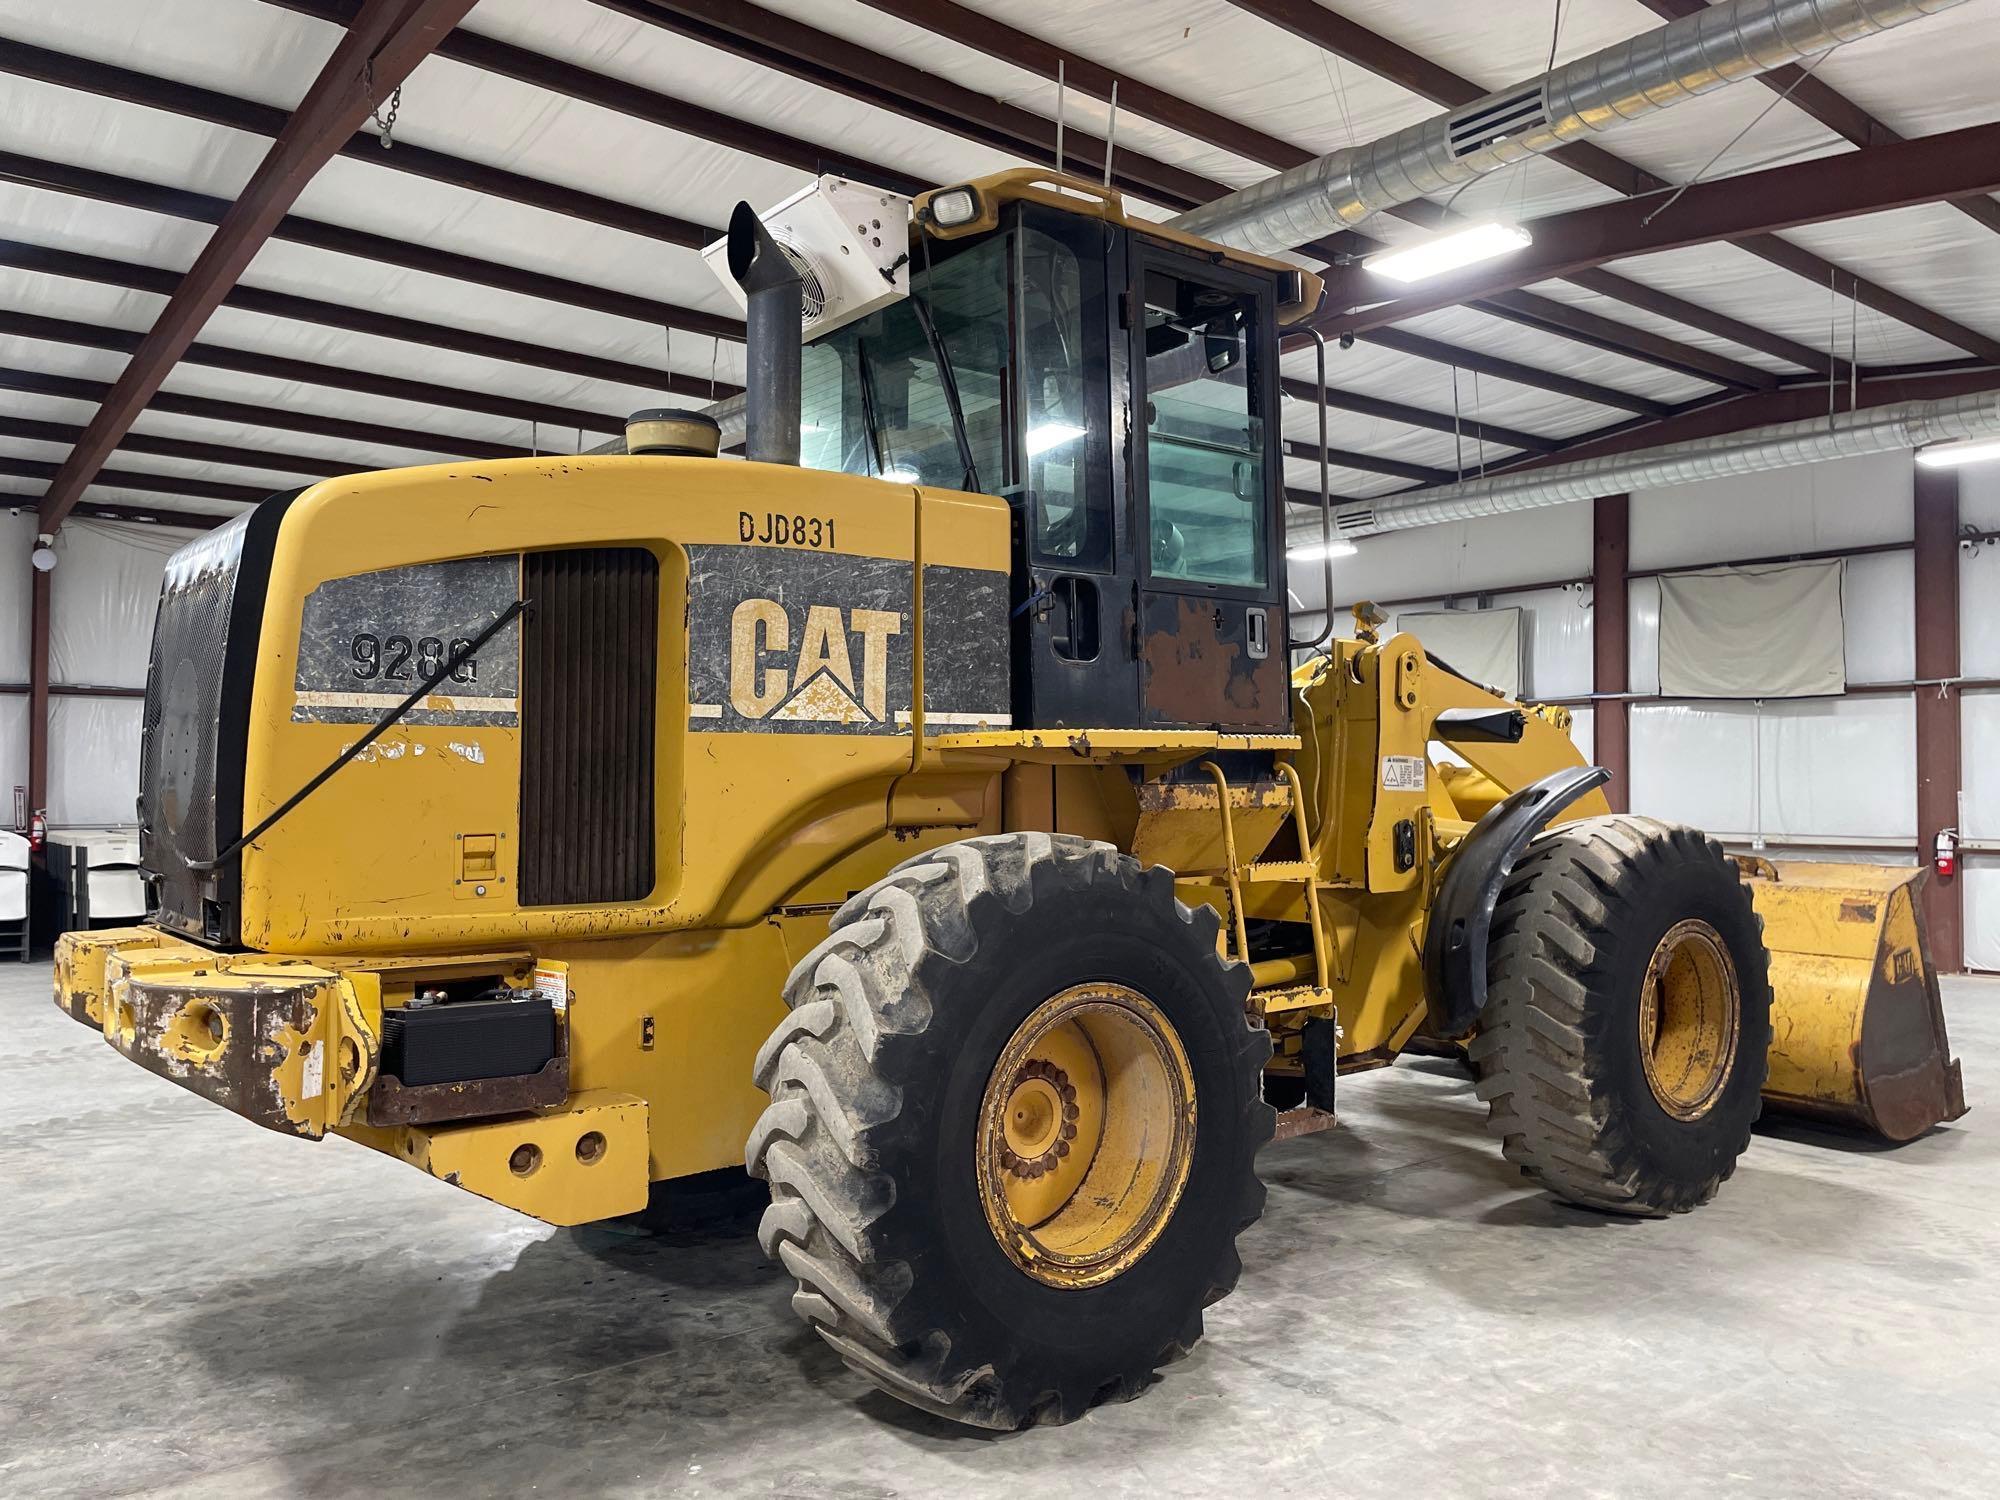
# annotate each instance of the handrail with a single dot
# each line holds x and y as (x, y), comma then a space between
(1325, 505)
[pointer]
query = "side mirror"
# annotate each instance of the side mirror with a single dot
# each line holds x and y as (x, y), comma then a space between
(1221, 351)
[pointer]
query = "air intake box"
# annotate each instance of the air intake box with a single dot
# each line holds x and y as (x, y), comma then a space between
(462, 1041)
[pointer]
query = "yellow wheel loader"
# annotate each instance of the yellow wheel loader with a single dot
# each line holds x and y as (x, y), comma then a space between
(937, 814)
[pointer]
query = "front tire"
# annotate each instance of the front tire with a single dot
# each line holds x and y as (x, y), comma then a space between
(1622, 1048)
(1014, 1115)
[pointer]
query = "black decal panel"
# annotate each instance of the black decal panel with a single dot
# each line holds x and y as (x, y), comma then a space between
(782, 641)
(965, 650)
(367, 642)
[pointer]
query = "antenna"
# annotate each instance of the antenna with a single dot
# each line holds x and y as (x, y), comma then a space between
(1111, 133)
(1060, 83)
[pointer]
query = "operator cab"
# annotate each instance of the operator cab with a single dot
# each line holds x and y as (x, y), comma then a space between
(1117, 384)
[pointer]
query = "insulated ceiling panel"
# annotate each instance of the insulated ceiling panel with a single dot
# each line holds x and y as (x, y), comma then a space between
(1734, 282)
(890, 36)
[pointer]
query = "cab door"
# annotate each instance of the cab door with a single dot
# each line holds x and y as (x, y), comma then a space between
(1207, 471)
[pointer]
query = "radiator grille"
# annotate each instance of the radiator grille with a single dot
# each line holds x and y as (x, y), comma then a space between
(589, 660)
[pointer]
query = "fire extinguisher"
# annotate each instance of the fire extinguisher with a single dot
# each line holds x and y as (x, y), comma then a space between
(1945, 856)
(38, 831)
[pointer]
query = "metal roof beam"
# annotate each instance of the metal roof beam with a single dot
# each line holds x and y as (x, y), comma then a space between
(815, 56)
(248, 414)
(108, 272)
(200, 452)
(1717, 416)
(1831, 108)
(1333, 33)
(387, 40)
(1368, 463)
(1417, 416)
(1020, 49)
(337, 377)
(1405, 342)
(128, 479)
(195, 103)
(240, 114)
(1752, 204)
(203, 208)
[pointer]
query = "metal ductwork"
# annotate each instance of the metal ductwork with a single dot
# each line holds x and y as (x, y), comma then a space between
(1656, 70)
(774, 325)
(1881, 429)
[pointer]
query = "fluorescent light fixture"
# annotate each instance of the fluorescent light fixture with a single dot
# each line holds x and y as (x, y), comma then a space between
(1448, 252)
(1051, 435)
(1965, 451)
(1318, 551)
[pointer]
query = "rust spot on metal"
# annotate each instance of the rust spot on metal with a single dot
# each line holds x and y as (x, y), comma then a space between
(392, 1102)
(1304, 1120)
(1196, 676)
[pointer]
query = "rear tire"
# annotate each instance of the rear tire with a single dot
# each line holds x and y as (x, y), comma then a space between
(1622, 1048)
(877, 1138)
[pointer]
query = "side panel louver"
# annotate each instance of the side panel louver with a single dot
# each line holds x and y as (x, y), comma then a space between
(589, 669)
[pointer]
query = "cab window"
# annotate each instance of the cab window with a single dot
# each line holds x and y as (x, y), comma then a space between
(1204, 425)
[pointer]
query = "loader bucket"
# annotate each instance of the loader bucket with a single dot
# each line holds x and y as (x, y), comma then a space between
(1857, 1031)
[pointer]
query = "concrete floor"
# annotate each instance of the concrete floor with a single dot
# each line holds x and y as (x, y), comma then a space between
(191, 1306)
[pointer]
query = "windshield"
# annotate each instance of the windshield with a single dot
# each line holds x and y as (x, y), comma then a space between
(874, 400)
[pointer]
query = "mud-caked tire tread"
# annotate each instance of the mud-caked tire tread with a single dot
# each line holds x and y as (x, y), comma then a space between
(1549, 1055)
(835, 1131)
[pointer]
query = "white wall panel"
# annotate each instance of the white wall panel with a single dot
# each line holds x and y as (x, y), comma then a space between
(1979, 611)
(94, 760)
(1879, 610)
(1838, 767)
(1813, 508)
(13, 752)
(1979, 496)
(105, 590)
(1530, 546)
(1642, 641)
(1696, 763)
(1979, 761)
(1558, 626)
(1979, 887)
(17, 540)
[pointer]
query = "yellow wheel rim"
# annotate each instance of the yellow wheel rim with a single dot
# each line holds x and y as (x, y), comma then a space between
(1690, 1019)
(1086, 1135)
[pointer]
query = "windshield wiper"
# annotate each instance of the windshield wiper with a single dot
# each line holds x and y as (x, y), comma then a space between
(948, 380)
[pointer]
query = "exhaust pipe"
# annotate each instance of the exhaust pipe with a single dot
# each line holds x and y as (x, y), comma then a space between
(775, 326)
(1652, 71)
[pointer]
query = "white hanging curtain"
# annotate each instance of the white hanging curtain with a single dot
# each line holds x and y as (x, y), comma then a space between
(1772, 632)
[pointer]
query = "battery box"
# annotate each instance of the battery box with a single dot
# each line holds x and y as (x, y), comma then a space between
(465, 1040)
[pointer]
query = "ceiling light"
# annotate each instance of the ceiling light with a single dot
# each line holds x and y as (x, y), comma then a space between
(902, 476)
(1051, 435)
(44, 555)
(1318, 551)
(1448, 252)
(1965, 451)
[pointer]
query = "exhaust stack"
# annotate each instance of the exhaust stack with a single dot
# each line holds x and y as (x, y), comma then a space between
(775, 324)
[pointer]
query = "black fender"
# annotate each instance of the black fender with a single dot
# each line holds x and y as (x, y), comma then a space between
(1461, 916)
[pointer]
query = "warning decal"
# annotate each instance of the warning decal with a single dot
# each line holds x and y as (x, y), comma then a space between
(1403, 773)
